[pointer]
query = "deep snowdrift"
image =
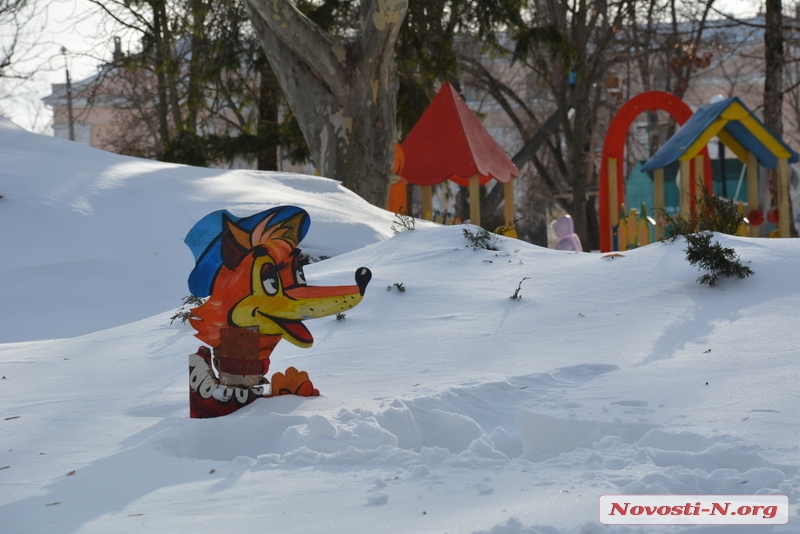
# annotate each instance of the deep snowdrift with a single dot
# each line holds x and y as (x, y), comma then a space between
(71, 215)
(447, 408)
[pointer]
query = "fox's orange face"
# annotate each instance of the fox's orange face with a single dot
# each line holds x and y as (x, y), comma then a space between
(281, 299)
(264, 270)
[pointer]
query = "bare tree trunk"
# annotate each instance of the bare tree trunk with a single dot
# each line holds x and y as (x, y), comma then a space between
(167, 64)
(577, 154)
(161, 80)
(268, 98)
(686, 58)
(773, 71)
(643, 40)
(773, 79)
(194, 97)
(343, 96)
(578, 130)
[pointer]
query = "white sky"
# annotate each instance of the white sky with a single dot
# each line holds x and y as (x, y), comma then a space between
(89, 41)
(64, 23)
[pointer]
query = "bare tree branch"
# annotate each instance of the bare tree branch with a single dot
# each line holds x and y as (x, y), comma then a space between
(321, 52)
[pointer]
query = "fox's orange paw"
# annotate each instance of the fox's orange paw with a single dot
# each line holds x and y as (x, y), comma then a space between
(294, 382)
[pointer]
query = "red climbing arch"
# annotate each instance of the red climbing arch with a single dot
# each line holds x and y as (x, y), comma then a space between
(614, 149)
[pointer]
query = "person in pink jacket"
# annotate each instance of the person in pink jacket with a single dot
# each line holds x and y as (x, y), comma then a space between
(564, 229)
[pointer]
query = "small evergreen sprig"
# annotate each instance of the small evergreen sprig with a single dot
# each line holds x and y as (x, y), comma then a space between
(719, 261)
(399, 285)
(507, 228)
(713, 214)
(403, 222)
(480, 239)
(517, 295)
(183, 314)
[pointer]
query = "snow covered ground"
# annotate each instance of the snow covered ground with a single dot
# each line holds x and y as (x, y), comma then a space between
(447, 408)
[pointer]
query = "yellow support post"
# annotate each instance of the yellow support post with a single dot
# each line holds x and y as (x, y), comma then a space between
(658, 202)
(699, 179)
(783, 197)
(644, 230)
(427, 202)
(684, 193)
(752, 188)
(742, 231)
(633, 228)
(622, 230)
(475, 200)
(613, 201)
(508, 209)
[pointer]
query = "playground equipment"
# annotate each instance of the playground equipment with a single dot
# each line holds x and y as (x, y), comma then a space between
(633, 228)
(612, 179)
(747, 137)
(398, 191)
(728, 119)
(449, 142)
(398, 194)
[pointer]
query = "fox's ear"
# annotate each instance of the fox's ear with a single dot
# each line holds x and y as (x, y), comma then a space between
(290, 229)
(235, 243)
(292, 226)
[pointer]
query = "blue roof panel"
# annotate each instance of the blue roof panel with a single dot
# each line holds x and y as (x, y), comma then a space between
(751, 143)
(679, 143)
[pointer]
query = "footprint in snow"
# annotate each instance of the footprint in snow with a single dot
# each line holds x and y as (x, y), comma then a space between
(376, 499)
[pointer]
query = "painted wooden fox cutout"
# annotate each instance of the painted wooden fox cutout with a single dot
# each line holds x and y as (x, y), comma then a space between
(252, 273)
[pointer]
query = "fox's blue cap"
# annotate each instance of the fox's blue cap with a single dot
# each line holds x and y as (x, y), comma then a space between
(205, 238)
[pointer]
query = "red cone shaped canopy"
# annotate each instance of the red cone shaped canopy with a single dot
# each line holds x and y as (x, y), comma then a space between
(449, 142)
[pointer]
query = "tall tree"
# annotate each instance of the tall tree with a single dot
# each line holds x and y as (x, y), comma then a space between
(342, 91)
(155, 23)
(573, 48)
(773, 70)
(686, 44)
(773, 82)
(434, 35)
(571, 45)
(199, 90)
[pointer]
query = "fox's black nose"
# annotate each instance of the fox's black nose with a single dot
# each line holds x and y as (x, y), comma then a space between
(363, 276)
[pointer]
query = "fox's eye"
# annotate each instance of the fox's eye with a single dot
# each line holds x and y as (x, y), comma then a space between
(269, 279)
(271, 284)
(301, 278)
